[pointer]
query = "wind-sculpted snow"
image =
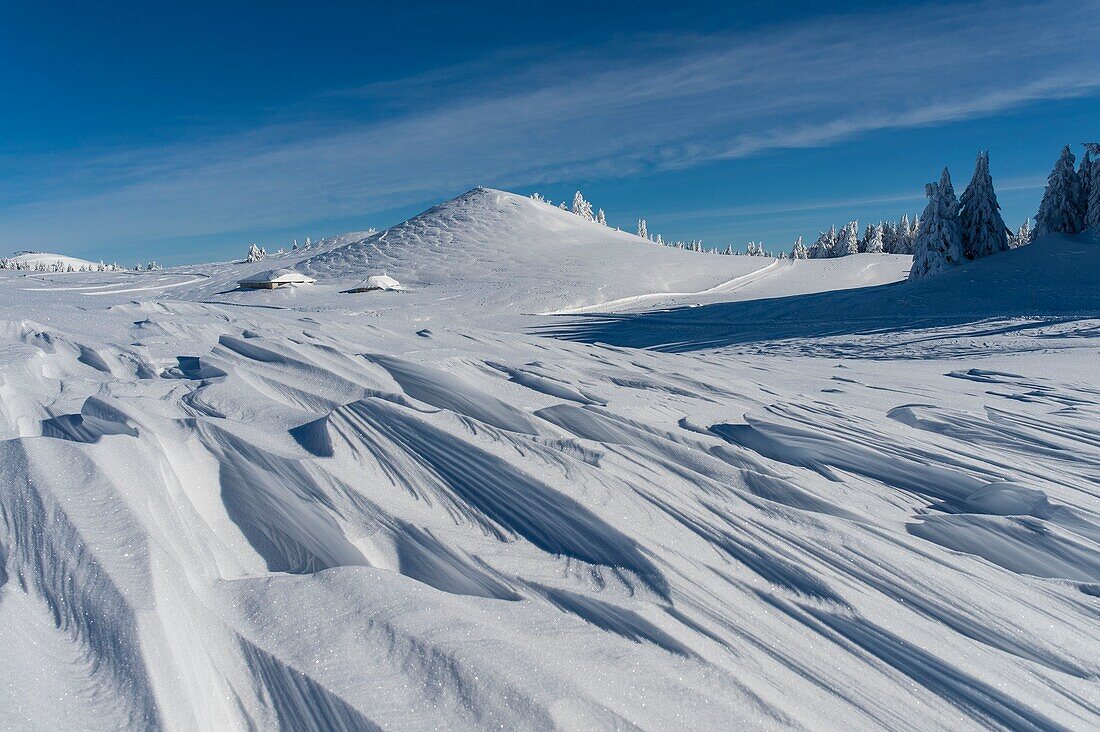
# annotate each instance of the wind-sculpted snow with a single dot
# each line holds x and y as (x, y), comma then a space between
(445, 391)
(299, 702)
(476, 486)
(48, 556)
(311, 509)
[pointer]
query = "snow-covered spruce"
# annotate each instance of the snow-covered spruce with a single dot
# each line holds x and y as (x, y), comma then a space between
(825, 244)
(1022, 237)
(984, 231)
(873, 244)
(582, 207)
(1092, 197)
(938, 245)
(1060, 209)
(255, 253)
(848, 241)
(798, 251)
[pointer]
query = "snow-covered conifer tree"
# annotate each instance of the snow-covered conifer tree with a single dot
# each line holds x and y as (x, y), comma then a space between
(1092, 202)
(908, 241)
(799, 250)
(938, 245)
(848, 241)
(538, 197)
(642, 230)
(1060, 209)
(1022, 237)
(823, 247)
(865, 240)
(892, 235)
(1084, 183)
(984, 231)
(601, 219)
(582, 207)
(889, 237)
(729, 250)
(905, 232)
(874, 243)
(255, 253)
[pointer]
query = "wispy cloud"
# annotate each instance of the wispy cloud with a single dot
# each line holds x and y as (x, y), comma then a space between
(543, 115)
(915, 199)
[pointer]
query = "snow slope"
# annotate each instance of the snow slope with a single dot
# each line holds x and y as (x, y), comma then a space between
(1035, 285)
(522, 254)
(429, 510)
(46, 258)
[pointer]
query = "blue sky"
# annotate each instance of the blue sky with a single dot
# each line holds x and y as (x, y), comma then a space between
(136, 131)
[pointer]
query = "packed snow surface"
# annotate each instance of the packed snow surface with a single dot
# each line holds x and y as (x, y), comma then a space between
(715, 492)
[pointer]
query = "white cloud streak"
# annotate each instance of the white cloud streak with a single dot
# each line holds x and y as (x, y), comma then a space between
(543, 118)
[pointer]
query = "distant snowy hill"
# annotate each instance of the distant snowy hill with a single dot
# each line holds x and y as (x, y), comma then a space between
(502, 249)
(46, 258)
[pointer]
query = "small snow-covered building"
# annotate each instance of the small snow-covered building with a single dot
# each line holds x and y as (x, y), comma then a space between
(274, 278)
(378, 282)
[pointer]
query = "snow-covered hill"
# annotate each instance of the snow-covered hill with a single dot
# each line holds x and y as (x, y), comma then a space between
(33, 259)
(522, 254)
(310, 509)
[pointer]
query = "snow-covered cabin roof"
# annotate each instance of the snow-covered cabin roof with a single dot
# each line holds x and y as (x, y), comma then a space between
(379, 282)
(277, 277)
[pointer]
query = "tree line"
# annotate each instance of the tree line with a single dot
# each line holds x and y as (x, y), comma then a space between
(957, 230)
(951, 230)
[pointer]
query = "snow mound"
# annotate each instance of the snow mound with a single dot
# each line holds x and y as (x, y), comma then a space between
(49, 259)
(379, 282)
(500, 249)
(1004, 498)
(276, 277)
